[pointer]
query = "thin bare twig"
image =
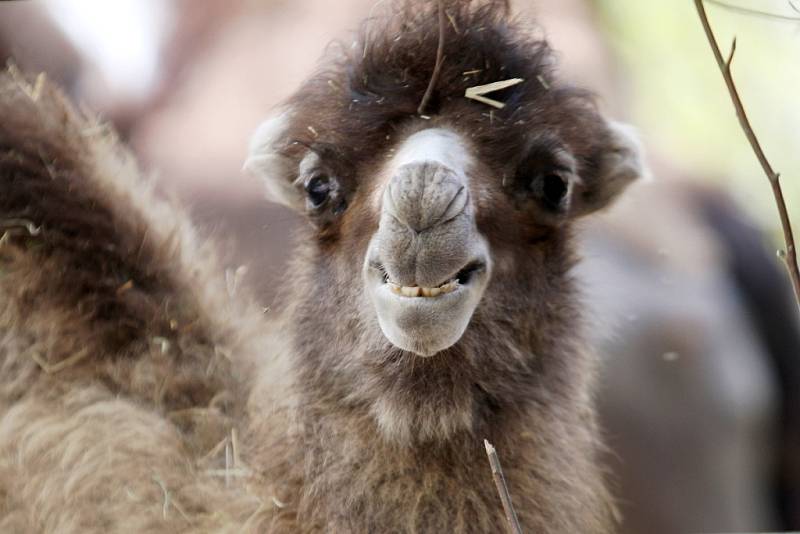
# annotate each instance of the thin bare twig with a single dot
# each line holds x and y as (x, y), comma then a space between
(756, 12)
(437, 68)
(790, 254)
(502, 489)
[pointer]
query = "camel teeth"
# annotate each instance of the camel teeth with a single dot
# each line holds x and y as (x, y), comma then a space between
(427, 292)
(410, 291)
(449, 287)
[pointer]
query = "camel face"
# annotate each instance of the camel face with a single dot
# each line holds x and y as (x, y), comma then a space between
(438, 248)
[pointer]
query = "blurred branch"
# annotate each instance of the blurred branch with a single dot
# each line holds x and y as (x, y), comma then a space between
(756, 12)
(502, 489)
(790, 254)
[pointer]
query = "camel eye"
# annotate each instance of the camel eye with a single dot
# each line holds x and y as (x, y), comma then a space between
(553, 190)
(550, 189)
(325, 197)
(318, 190)
(544, 180)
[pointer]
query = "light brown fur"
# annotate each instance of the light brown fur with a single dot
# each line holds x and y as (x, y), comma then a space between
(116, 337)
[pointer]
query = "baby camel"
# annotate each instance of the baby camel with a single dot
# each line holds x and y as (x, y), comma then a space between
(429, 305)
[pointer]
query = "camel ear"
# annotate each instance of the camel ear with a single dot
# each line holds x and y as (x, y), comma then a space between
(276, 170)
(621, 163)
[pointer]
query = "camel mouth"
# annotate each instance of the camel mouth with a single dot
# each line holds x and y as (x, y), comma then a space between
(426, 320)
(461, 278)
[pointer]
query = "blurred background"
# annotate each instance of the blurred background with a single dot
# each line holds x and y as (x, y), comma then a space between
(689, 308)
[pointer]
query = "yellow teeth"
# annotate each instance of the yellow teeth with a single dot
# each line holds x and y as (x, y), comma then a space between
(416, 291)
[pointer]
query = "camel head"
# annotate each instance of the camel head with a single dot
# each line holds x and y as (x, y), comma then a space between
(441, 233)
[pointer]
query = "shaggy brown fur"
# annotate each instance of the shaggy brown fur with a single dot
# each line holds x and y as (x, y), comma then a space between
(116, 336)
(519, 375)
(121, 350)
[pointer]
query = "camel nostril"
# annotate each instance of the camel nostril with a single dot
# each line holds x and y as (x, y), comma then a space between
(456, 206)
(425, 195)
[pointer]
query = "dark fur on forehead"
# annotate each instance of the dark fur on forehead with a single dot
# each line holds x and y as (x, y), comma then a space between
(368, 92)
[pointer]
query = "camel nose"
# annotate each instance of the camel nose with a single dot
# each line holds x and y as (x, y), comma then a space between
(426, 230)
(424, 195)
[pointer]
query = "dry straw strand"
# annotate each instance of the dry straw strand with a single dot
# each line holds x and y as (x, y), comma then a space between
(477, 92)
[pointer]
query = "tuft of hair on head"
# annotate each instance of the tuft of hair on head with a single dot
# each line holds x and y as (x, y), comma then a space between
(370, 87)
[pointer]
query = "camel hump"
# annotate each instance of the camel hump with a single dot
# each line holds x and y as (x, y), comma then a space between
(94, 266)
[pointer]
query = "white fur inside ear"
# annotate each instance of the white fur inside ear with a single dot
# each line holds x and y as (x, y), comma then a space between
(629, 157)
(274, 169)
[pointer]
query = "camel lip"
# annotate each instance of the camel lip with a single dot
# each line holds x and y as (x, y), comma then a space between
(461, 278)
(423, 292)
(421, 300)
(428, 325)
